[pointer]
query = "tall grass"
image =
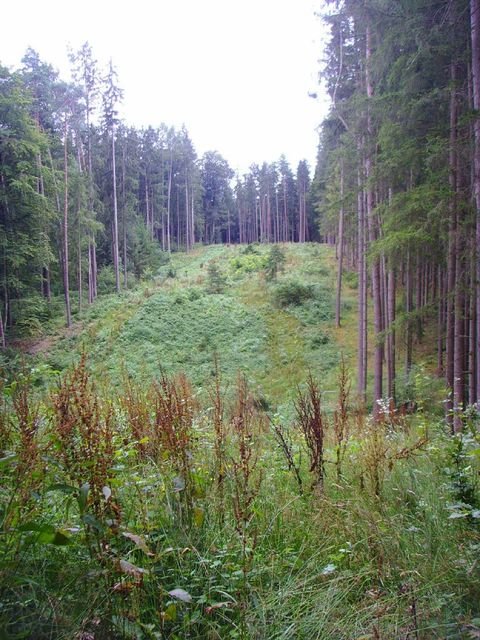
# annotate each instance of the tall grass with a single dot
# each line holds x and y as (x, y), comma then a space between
(147, 514)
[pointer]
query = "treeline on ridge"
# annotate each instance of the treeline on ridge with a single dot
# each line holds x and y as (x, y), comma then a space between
(84, 198)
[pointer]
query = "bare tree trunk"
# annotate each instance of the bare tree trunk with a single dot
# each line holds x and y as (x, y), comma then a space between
(169, 201)
(187, 217)
(94, 267)
(452, 244)
(408, 310)
(340, 249)
(475, 37)
(370, 216)
(362, 297)
(124, 222)
(192, 213)
(116, 259)
(441, 321)
(459, 335)
(3, 342)
(80, 274)
(471, 368)
(391, 366)
(46, 289)
(66, 283)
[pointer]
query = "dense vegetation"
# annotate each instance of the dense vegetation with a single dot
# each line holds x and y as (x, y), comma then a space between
(250, 504)
(398, 183)
(192, 456)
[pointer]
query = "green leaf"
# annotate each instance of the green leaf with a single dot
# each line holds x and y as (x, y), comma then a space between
(93, 522)
(83, 497)
(170, 612)
(47, 534)
(64, 488)
(6, 460)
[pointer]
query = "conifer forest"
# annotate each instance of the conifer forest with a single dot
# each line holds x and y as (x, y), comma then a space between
(246, 405)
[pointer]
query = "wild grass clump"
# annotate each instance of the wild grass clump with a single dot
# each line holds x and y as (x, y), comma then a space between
(144, 512)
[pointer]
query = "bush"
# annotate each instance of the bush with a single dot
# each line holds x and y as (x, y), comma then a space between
(30, 315)
(249, 250)
(319, 340)
(146, 254)
(248, 263)
(275, 262)
(292, 293)
(351, 279)
(216, 281)
(106, 280)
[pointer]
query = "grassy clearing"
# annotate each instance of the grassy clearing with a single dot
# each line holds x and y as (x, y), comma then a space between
(174, 324)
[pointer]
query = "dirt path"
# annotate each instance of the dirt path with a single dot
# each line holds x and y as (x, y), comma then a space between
(43, 345)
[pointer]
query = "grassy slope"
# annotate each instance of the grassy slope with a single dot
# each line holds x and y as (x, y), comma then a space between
(174, 324)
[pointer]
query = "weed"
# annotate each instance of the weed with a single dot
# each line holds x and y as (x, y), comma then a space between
(312, 424)
(82, 433)
(219, 438)
(286, 446)
(246, 483)
(341, 418)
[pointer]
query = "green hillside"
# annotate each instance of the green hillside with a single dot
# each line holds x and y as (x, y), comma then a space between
(174, 323)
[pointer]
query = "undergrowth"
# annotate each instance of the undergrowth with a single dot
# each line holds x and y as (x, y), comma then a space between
(139, 511)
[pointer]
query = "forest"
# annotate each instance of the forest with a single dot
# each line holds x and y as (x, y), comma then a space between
(246, 406)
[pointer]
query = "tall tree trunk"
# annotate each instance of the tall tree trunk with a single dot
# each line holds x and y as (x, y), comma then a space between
(45, 274)
(472, 333)
(124, 222)
(3, 342)
(169, 202)
(371, 220)
(92, 249)
(340, 248)
(192, 217)
(66, 283)
(441, 320)
(80, 274)
(459, 334)
(116, 258)
(475, 38)
(187, 217)
(452, 245)
(391, 350)
(408, 310)
(362, 295)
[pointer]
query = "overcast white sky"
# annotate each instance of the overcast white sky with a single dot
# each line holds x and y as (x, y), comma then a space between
(236, 72)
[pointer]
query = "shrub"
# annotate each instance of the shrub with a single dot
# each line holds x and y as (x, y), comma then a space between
(248, 263)
(216, 281)
(249, 250)
(351, 279)
(31, 314)
(106, 280)
(292, 293)
(275, 262)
